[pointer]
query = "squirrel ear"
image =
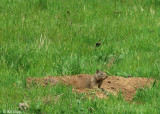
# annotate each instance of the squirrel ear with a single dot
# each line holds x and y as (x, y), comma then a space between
(97, 71)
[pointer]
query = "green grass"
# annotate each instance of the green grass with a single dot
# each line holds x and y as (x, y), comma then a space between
(57, 37)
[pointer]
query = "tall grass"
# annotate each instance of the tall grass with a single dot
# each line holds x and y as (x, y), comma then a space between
(57, 37)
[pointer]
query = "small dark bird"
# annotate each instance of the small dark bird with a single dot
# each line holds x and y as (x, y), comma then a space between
(98, 44)
(68, 12)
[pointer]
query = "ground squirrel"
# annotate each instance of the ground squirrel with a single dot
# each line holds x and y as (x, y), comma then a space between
(97, 79)
(90, 82)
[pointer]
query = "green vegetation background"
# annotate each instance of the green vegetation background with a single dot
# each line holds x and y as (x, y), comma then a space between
(57, 37)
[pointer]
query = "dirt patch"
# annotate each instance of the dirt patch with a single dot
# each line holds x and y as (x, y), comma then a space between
(111, 85)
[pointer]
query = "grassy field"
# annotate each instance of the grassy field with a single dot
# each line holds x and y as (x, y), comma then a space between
(57, 37)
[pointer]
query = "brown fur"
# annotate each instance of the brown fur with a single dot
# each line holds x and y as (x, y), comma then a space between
(90, 82)
(98, 78)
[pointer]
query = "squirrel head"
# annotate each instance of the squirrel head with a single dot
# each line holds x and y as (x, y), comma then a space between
(100, 75)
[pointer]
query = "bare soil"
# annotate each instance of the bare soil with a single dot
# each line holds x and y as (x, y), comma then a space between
(111, 85)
